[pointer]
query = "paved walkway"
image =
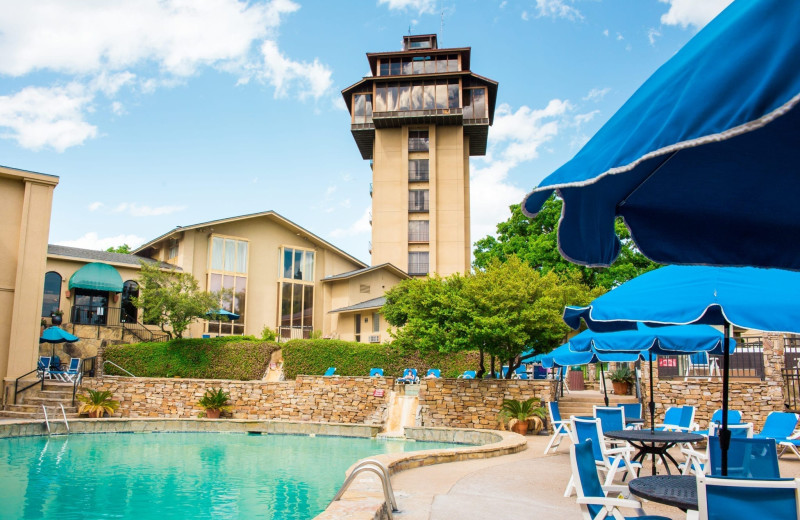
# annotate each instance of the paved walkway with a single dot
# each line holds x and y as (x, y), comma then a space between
(524, 485)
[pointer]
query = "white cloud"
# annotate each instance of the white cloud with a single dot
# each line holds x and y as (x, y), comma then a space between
(652, 34)
(92, 240)
(692, 12)
(503, 4)
(39, 117)
(597, 94)
(557, 9)
(516, 137)
(421, 6)
(359, 227)
(285, 75)
(581, 119)
(620, 37)
(118, 109)
(94, 206)
(605, 32)
(136, 210)
(525, 15)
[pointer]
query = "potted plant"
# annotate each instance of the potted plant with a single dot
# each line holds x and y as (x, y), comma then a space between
(215, 401)
(56, 317)
(97, 403)
(621, 379)
(521, 414)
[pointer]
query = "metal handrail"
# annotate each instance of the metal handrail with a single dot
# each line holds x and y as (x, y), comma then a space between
(377, 467)
(116, 365)
(40, 379)
(46, 422)
(64, 413)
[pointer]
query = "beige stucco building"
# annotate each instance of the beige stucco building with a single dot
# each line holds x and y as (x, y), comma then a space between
(26, 200)
(418, 118)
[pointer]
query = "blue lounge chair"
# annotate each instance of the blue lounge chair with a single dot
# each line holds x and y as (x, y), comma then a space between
(520, 373)
(43, 367)
(678, 419)
(561, 427)
(607, 460)
(468, 374)
(433, 373)
(375, 372)
(71, 374)
(329, 372)
(747, 499)
(780, 426)
(409, 377)
(747, 458)
(734, 417)
(591, 493)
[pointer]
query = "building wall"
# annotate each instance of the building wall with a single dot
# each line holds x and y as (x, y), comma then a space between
(390, 198)
(25, 204)
(265, 237)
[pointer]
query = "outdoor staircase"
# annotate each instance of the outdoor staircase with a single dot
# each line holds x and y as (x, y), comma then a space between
(580, 402)
(29, 403)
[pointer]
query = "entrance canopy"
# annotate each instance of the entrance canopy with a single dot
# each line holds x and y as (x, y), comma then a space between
(96, 276)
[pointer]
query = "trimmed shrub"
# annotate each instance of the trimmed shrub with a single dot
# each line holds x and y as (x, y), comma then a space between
(241, 358)
(314, 356)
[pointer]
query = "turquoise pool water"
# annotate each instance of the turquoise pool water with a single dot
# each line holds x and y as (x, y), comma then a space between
(178, 475)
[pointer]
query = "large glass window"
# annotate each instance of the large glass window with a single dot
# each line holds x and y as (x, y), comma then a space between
(418, 141)
(52, 293)
(418, 262)
(362, 108)
(418, 200)
(228, 276)
(376, 322)
(296, 293)
(130, 290)
(418, 231)
(475, 103)
(418, 170)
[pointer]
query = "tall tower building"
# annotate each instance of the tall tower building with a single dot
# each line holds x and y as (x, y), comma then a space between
(418, 118)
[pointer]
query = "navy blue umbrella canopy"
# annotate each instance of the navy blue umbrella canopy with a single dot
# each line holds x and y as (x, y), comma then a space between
(701, 162)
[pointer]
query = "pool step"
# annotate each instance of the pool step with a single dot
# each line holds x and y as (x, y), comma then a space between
(29, 403)
(52, 414)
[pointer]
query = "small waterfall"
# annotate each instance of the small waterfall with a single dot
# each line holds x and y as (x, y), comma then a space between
(402, 412)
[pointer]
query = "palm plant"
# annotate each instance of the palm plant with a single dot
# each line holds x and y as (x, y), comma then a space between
(215, 399)
(513, 411)
(97, 403)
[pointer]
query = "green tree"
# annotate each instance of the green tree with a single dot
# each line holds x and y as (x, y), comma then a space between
(503, 310)
(124, 249)
(172, 299)
(536, 242)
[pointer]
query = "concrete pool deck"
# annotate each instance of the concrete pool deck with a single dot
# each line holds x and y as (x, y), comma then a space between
(527, 484)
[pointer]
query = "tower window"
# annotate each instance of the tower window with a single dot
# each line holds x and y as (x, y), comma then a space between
(418, 263)
(418, 141)
(418, 231)
(418, 201)
(418, 170)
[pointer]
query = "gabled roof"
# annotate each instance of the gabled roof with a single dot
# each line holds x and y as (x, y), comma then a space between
(358, 272)
(269, 214)
(375, 303)
(102, 256)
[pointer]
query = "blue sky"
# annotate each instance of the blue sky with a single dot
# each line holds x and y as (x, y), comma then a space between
(159, 113)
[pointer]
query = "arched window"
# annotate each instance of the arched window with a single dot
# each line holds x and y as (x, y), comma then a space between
(52, 293)
(130, 289)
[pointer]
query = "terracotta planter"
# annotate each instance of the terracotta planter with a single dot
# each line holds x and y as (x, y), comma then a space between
(212, 414)
(520, 427)
(621, 387)
(96, 415)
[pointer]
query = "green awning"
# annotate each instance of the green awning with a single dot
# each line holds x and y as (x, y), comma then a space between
(96, 276)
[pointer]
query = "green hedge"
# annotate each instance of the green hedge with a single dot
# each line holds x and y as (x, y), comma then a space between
(233, 357)
(312, 357)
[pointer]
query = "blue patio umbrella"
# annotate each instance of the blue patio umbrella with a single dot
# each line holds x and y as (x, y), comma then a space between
(701, 162)
(222, 313)
(56, 335)
(762, 299)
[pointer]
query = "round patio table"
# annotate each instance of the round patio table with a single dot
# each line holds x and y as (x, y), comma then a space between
(674, 490)
(654, 443)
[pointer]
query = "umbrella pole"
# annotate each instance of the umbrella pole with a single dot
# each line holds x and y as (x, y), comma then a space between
(725, 434)
(603, 381)
(652, 404)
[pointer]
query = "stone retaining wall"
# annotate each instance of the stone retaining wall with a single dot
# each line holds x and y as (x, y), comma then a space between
(454, 403)
(473, 403)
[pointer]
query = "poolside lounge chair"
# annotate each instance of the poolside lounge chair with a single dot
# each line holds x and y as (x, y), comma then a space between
(409, 377)
(747, 499)
(607, 460)
(702, 363)
(375, 372)
(329, 372)
(780, 426)
(71, 373)
(678, 419)
(734, 417)
(468, 374)
(561, 427)
(592, 497)
(697, 461)
(433, 373)
(43, 367)
(520, 373)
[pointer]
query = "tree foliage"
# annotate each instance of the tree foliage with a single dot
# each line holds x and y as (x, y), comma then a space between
(503, 310)
(172, 299)
(536, 242)
(124, 249)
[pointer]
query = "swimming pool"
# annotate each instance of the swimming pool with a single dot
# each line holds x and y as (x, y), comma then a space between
(179, 475)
